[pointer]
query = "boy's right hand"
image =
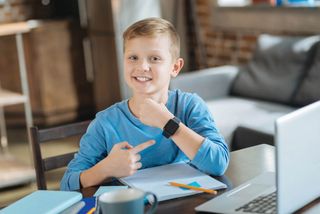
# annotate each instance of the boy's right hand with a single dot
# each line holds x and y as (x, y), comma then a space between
(124, 159)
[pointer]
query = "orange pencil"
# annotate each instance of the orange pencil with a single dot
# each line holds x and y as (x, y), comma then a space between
(91, 211)
(210, 191)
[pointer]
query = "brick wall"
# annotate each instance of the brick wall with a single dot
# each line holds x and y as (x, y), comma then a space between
(223, 46)
(230, 34)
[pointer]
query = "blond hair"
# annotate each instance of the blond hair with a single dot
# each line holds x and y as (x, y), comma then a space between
(151, 27)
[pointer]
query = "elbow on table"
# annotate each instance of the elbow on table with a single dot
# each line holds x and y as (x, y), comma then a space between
(221, 165)
(64, 187)
(66, 184)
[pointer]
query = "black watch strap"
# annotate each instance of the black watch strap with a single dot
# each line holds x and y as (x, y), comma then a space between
(171, 127)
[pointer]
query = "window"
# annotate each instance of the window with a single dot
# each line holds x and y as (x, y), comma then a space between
(286, 3)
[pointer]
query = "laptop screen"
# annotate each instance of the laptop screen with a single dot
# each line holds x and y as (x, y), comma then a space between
(298, 158)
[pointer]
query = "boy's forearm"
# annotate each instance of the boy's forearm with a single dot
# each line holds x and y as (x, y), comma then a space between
(202, 152)
(94, 176)
(187, 140)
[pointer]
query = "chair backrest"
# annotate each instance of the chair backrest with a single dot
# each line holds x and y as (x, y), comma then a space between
(53, 162)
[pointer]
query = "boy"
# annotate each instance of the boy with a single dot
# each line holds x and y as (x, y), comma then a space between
(155, 126)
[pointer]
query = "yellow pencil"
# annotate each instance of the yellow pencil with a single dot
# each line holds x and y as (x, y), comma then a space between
(211, 191)
(91, 211)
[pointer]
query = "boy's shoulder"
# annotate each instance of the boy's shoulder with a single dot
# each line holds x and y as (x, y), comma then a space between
(113, 111)
(184, 96)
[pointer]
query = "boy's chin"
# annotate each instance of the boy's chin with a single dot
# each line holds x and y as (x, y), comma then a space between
(147, 93)
(144, 92)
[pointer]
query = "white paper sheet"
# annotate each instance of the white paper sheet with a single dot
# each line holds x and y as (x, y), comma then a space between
(156, 180)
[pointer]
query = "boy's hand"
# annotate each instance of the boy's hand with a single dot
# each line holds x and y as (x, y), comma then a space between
(123, 159)
(154, 114)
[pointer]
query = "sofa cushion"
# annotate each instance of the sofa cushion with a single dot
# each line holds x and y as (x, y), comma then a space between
(309, 91)
(245, 137)
(231, 112)
(274, 71)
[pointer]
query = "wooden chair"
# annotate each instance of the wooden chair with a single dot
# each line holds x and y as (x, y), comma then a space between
(53, 162)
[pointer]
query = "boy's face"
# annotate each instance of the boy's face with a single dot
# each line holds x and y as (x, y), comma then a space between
(149, 65)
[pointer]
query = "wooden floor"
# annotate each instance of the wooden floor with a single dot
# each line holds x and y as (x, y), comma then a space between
(19, 148)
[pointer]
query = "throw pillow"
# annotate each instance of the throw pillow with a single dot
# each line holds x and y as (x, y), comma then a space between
(274, 72)
(309, 91)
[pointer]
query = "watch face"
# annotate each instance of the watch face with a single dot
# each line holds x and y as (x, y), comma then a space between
(171, 127)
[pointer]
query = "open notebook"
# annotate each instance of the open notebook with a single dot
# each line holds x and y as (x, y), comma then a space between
(43, 201)
(156, 180)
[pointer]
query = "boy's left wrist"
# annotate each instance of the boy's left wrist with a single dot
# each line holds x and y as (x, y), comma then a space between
(165, 120)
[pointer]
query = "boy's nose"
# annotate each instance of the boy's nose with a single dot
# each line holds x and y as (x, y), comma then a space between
(144, 65)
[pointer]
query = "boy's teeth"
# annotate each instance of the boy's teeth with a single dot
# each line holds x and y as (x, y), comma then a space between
(143, 78)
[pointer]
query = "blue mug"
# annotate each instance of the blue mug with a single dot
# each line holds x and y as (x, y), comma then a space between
(126, 201)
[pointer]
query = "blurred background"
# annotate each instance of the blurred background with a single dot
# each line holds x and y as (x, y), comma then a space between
(73, 58)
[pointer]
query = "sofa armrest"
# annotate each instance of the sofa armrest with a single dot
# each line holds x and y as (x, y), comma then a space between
(208, 83)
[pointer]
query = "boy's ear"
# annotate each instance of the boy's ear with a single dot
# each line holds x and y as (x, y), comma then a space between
(177, 66)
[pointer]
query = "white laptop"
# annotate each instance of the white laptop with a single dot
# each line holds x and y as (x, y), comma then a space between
(297, 177)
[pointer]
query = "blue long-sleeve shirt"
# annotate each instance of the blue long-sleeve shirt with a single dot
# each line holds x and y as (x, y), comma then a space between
(117, 124)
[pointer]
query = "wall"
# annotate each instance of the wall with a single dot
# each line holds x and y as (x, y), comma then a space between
(230, 33)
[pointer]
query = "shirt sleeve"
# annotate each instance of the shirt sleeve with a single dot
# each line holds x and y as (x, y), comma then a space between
(213, 155)
(92, 150)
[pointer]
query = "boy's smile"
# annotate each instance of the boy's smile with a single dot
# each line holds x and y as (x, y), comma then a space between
(142, 78)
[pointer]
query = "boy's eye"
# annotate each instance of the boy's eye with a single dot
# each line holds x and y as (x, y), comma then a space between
(154, 59)
(133, 58)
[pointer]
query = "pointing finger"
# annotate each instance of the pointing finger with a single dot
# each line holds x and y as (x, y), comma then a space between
(143, 146)
(124, 145)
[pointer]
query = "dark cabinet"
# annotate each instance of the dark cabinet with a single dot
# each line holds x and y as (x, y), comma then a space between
(99, 16)
(59, 89)
(100, 51)
(72, 66)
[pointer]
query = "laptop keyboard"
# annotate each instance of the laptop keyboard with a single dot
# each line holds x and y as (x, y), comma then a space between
(262, 204)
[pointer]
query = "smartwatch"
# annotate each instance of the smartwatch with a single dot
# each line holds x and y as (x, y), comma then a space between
(171, 127)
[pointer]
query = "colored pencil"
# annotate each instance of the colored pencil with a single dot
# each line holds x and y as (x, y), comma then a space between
(210, 191)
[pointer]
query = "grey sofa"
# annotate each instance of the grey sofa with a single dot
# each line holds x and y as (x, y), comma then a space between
(245, 101)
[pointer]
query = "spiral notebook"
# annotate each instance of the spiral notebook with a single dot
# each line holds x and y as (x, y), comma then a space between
(156, 180)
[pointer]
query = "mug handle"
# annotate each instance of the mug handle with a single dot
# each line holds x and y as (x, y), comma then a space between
(154, 205)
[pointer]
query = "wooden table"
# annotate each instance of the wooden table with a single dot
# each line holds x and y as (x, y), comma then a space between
(244, 165)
